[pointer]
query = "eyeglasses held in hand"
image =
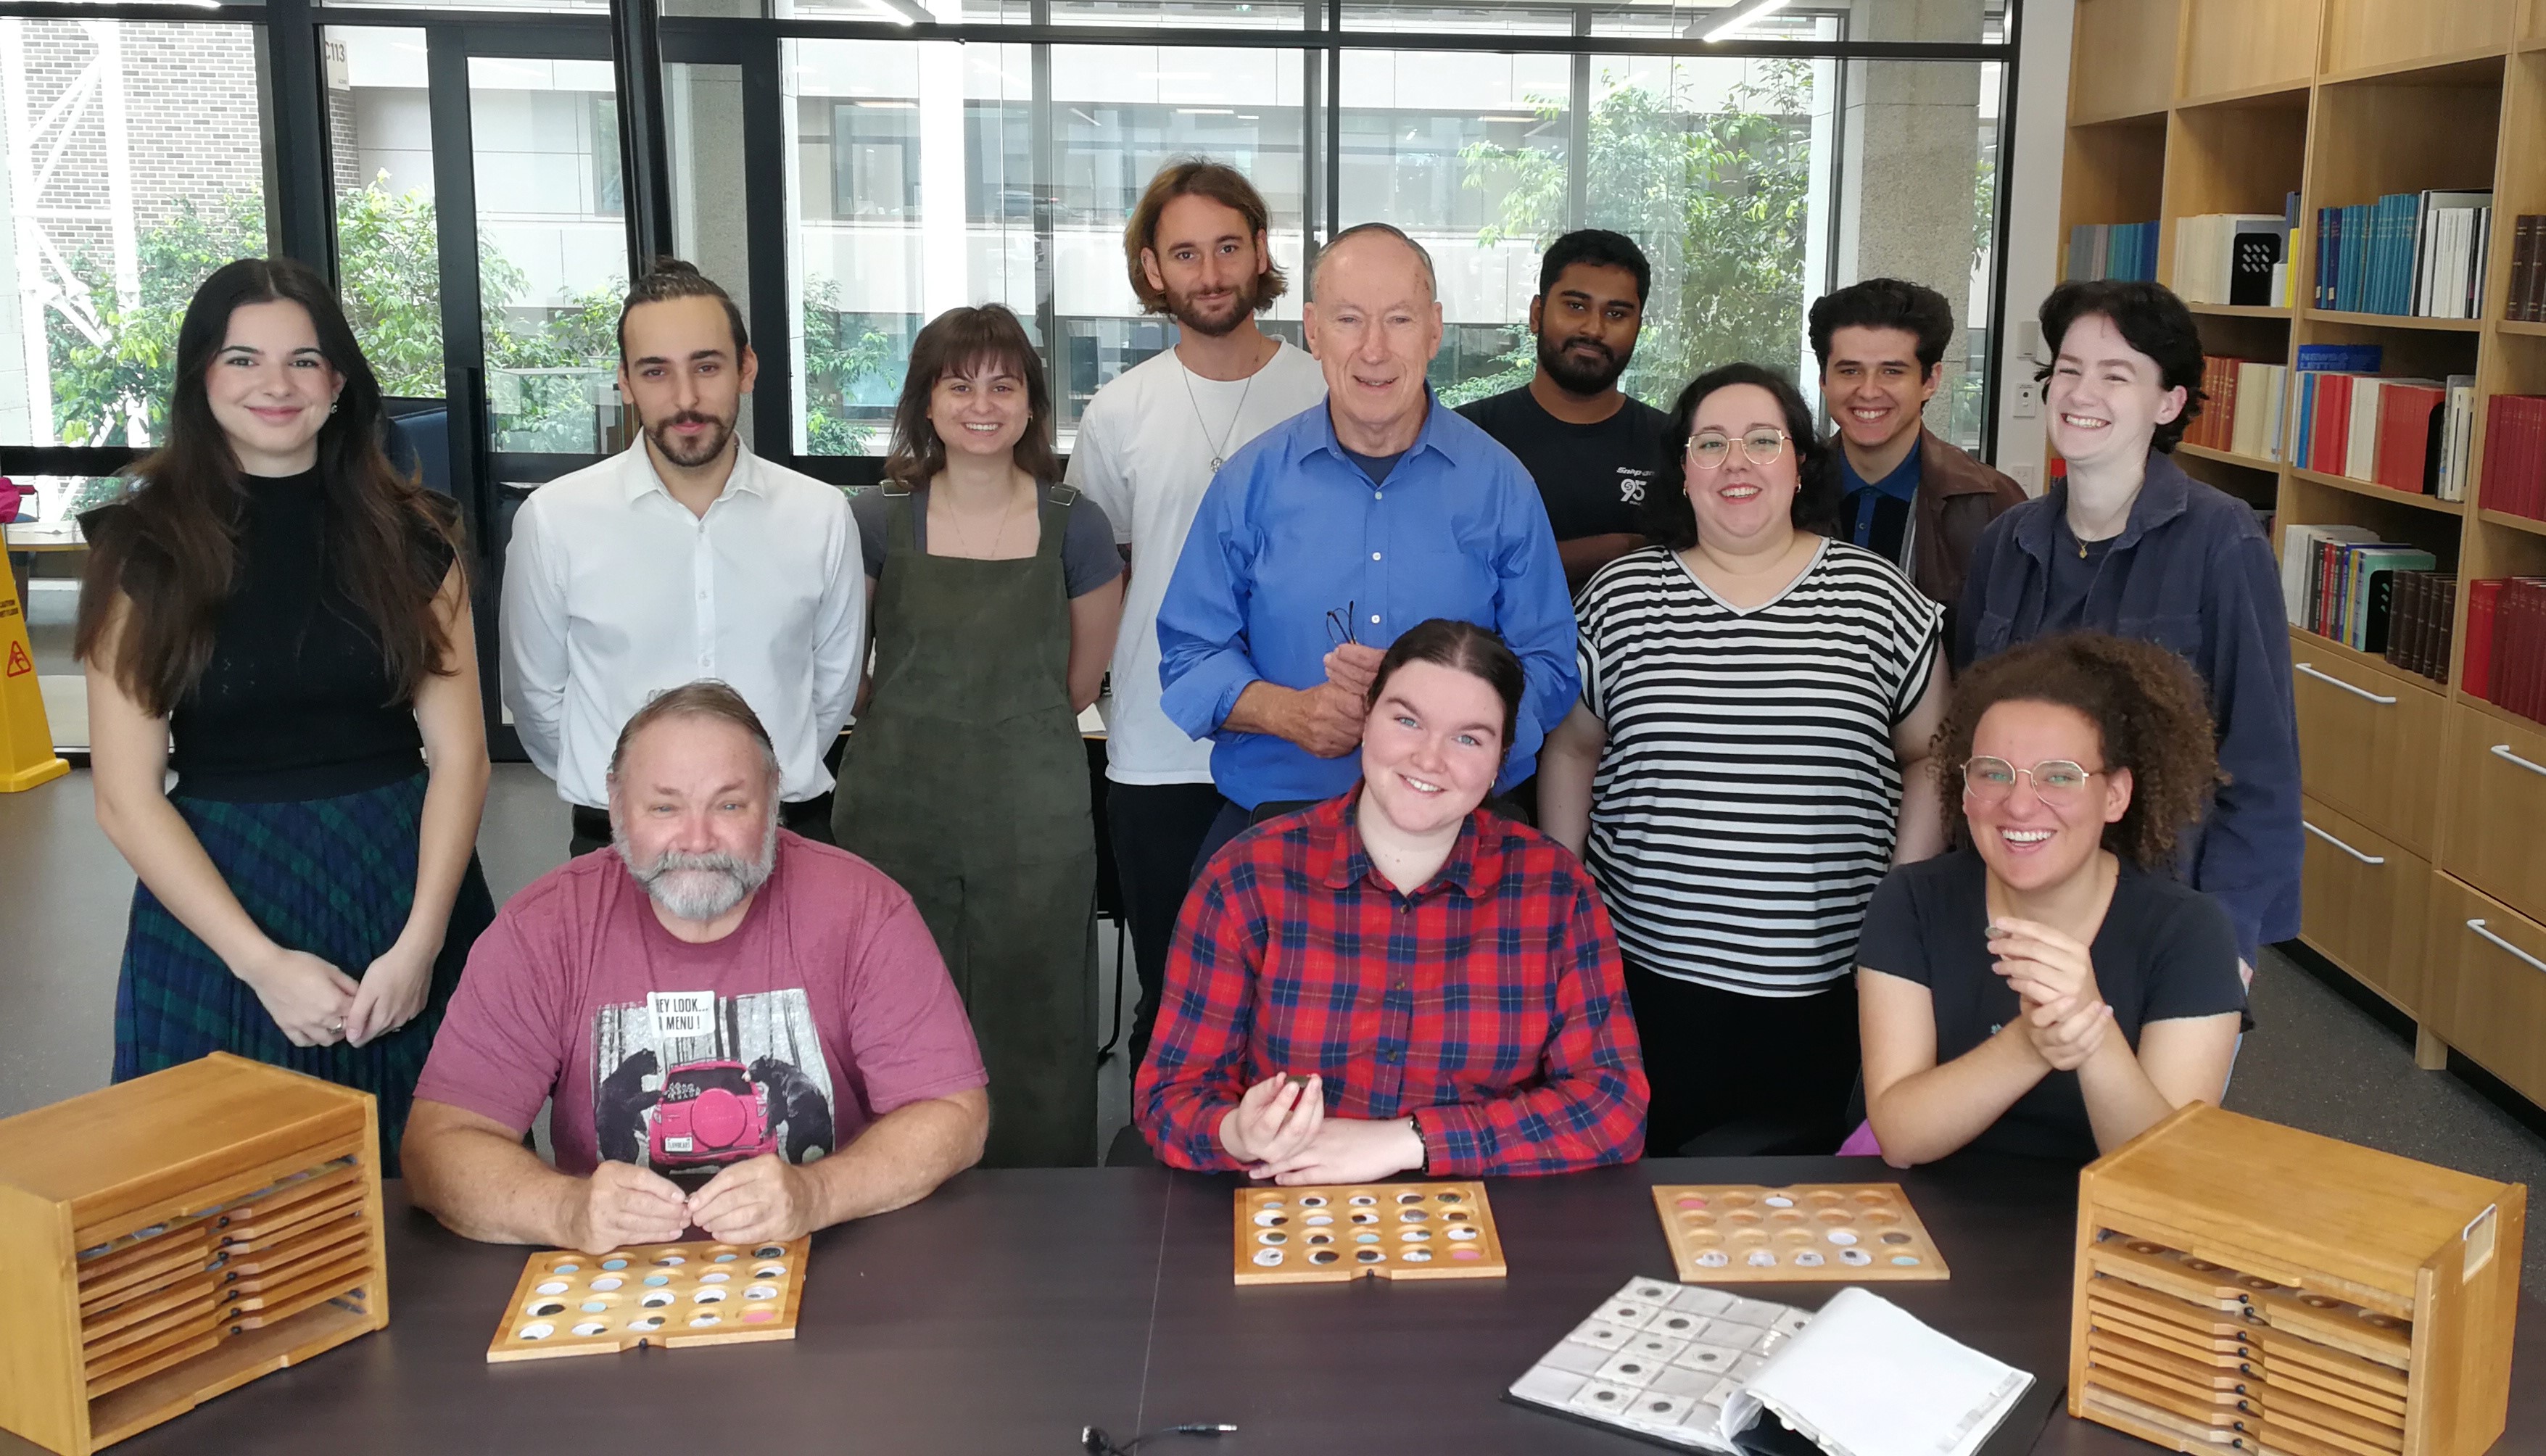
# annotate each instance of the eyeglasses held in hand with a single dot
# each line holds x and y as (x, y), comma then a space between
(1708, 449)
(2056, 781)
(1339, 625)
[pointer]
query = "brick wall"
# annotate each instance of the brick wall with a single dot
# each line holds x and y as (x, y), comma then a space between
(193, 125)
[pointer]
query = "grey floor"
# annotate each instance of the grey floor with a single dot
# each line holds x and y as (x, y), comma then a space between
(2314, 1060)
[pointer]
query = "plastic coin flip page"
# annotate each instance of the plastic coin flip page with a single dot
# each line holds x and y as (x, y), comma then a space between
(1659, 1360)
(667, 1294)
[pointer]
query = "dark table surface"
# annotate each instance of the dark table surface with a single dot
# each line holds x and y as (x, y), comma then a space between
(1010, 1309)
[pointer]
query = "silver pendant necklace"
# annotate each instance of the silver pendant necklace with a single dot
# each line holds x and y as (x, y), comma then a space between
(1219, 449)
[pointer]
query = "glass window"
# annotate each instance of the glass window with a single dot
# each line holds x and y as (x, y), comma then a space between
(1119, 114)
(553, 265)
(916, 201)
(702, 115)
(1470, 159)
(135, 166)
(1722, 171)
(388, 259)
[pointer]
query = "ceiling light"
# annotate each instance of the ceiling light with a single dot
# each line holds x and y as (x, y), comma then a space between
(1742, 17)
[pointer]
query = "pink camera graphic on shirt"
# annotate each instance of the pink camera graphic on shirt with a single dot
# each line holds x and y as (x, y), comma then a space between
(709, 1114)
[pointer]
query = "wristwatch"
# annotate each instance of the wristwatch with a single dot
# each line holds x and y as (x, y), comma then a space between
(1416, 1125)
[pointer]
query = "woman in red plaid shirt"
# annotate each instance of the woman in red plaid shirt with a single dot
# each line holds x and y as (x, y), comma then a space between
(1399, 979)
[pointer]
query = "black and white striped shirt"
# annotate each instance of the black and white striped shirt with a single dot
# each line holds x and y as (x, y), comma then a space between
(1746, 803)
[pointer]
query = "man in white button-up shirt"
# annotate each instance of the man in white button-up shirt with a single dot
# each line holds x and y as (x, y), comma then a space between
(684, 556)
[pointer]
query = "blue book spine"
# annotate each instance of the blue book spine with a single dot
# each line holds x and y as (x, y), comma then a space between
(2321, 297)
(2340, 357)
(2307, 411)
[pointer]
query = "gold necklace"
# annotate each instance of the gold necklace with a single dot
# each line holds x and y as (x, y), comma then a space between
(1007, 513)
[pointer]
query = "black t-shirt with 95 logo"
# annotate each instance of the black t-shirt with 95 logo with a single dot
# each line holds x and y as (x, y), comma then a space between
(1593, 477)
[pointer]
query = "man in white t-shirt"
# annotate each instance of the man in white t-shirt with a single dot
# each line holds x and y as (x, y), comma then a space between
(1148, 445)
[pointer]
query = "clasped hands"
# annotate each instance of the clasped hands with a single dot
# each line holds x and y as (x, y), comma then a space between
(1281, 1131)
(764, 1200)
(2064, 1017)
(1330, 722)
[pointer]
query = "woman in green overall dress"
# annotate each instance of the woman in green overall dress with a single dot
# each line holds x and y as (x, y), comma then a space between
(994, 591)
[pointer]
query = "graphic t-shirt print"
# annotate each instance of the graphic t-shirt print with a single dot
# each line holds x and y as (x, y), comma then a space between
(690, 1081)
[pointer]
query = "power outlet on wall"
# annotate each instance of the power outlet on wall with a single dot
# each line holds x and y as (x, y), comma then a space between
(2028, 476)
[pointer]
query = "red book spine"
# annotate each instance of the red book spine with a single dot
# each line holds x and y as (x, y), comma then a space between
(2493, 490)
(2405, 435)
(2531, 467)
(2484, 599)
(2333, 424)
(2510, 676)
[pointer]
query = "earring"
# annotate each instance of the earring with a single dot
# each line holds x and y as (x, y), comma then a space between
(331, 406)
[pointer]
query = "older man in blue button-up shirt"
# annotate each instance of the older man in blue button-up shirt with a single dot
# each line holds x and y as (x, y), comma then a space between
(1376, 510)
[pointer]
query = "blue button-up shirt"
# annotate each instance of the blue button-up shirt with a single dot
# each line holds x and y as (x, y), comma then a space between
(1291, 529)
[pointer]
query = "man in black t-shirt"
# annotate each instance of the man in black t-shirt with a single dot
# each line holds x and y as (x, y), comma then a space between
(1594, 451)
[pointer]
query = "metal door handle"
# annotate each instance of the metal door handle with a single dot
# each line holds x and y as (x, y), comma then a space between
(2380, 699)
(2366, 859)
(2502, 751)
(2478, 927)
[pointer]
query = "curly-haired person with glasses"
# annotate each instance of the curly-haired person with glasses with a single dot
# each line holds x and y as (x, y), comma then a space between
(2049, 987)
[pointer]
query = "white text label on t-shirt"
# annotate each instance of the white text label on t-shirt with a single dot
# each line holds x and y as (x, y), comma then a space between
(681, 1013)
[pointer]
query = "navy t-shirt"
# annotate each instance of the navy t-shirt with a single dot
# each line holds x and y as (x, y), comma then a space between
(2164, 952)
(1592, 478)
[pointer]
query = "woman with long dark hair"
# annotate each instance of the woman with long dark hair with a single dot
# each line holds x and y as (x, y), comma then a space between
(994, 590)
(1755, 696)
(277, 616)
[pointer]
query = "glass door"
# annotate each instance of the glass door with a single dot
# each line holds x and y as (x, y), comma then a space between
(482, 252)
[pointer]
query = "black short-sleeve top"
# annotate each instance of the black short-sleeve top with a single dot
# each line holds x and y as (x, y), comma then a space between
(296, 701)
(2164, 952)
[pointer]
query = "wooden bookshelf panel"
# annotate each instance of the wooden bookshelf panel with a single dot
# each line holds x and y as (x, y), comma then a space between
(2241, 44)
(2122, 60)
(2361, 34)
(2498, 769)
(2368, 903)
(2112, 174)
(2237, 157)
(2244, 156)
(2370, 740)
(2487, 1000)
(2429, 129)
(2521, 186)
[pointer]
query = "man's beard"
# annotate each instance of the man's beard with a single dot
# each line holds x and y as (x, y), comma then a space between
(701, 887)
(706, 447)
(1240, 303)
(1576, 376)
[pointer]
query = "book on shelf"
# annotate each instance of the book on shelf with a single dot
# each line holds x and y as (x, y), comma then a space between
(2394, 432)
(2422, 620)
(2227, 258)
(2301, 559)
(2118, 250)
(2506, 656)
(2409, 254)
(2526, 300)
(2514, 456)
(2244, 401)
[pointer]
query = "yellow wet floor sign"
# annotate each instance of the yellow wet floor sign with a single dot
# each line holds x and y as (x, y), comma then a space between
(26, 756)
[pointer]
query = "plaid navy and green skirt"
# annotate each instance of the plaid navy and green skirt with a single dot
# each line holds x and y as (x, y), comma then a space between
(333, 877)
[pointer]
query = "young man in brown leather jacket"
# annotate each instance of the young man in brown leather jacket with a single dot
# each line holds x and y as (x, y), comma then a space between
(1916, 500)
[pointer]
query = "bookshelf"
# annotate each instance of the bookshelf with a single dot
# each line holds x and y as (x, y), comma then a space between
(2426, 871)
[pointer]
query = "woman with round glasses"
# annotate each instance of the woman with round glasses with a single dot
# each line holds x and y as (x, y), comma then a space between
(2049, 987)
(1754, 696)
